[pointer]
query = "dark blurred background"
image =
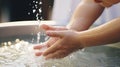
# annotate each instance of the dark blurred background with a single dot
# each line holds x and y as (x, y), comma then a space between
(18, 10)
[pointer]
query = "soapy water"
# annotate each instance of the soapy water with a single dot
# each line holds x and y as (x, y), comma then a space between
(21, 54)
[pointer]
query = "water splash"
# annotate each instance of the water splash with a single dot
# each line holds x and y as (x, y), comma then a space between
(37, 9)
(21, 54)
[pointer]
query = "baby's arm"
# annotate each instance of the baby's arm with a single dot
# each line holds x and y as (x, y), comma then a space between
(85, 15)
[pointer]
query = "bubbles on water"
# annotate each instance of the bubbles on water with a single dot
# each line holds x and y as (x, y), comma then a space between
(21, 54)
(53, 66)
(5, 43)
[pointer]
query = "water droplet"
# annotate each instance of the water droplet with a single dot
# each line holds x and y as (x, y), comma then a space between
(36, 1)
(33, 1)
(28, 13)
(35, 5)
(40, 2)
(46, 38)
(40, 10)
(41, 18)
(34, 10)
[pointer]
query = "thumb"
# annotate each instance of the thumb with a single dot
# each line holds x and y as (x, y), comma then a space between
(48, 27)
(56, 33)
(45, 27)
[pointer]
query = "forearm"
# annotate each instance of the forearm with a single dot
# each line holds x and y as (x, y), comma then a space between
(104, 34)
(85, 14)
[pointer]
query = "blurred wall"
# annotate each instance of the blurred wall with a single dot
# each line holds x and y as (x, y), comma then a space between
(63, 10)
(0, 10)
(0, 16)
(21, 10)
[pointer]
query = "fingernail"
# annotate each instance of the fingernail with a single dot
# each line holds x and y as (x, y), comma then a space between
(38, 54)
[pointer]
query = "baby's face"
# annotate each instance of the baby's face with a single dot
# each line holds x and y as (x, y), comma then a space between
(98, 1)
(105, 3)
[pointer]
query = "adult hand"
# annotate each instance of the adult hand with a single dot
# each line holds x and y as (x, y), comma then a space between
(51, 41)
(68, 42)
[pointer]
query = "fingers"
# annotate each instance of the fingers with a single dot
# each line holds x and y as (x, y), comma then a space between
(38, 53)
(57, 55)
(56, 46)
(39, 46)
(56, 33)
(39, 49)
(51, 41)
(45, 44)
(47, 27)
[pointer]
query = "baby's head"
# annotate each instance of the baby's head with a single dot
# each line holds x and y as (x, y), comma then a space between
(107, 3)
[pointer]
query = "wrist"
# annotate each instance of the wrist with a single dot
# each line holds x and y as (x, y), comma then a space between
(80, 40)
(85, 39)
